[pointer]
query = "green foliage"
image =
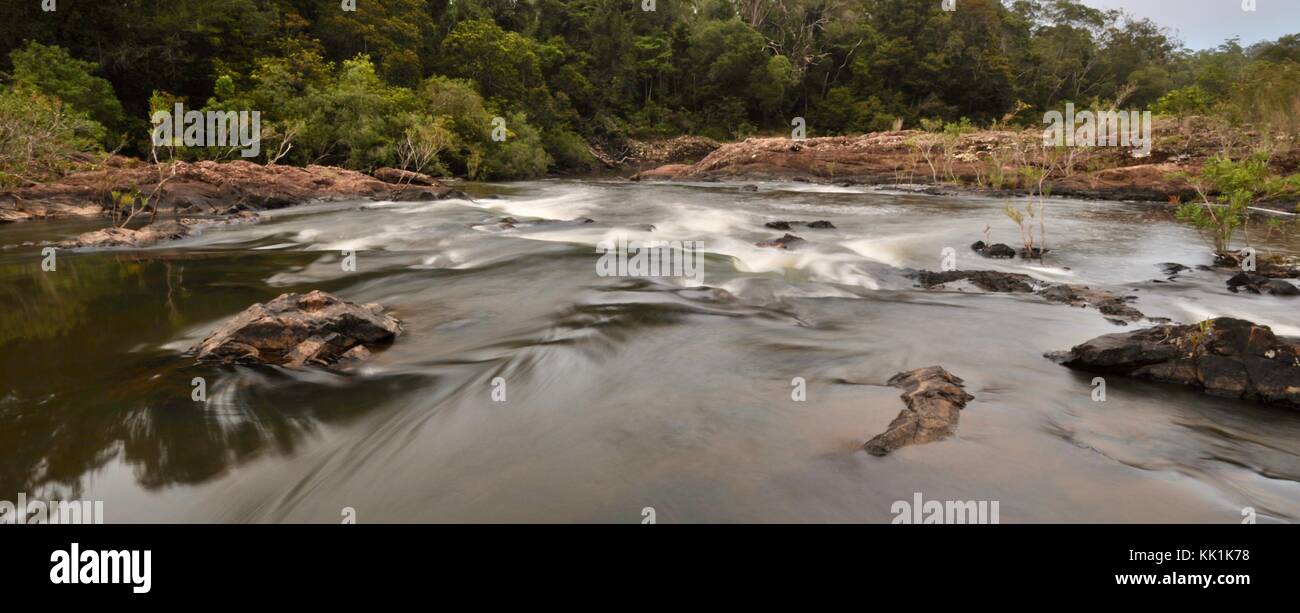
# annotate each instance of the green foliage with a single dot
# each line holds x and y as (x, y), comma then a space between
(349, 87)
(40, 137)
(53, 72)
(1237, 184)
(1190, 100)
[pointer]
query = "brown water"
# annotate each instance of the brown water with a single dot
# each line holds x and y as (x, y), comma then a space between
(623, 393)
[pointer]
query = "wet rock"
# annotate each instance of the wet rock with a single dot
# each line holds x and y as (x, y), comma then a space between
(294, 330)
(934, 400)
(1033, 254)
(125, 237)
(786, 225)
(1116, 309)
(997, 250)
(1226, 357)
(781, 243)
(403, 177)
(1272, 268)
(1173, 268)
(1259, 284)
(748, 188)
(987, 280)
(207, 187)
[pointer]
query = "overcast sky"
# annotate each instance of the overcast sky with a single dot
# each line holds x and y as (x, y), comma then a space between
(1203, 24)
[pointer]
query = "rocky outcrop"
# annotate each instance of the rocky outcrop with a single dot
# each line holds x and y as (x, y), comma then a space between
(1259, 284)
(986, 280)
(404, 177)
(1225, 357)
(787, 225)
(911, 157)
(785, 242)
(295, 330)
(206, 187)
(934, 399)
(125, 237)
(996, 251)
(1115, 308)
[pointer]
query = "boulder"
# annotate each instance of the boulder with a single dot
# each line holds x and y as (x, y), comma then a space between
(781, 243)
(1260, 284)
(997, 250)
(294, 330)
(1116, 309)
(126, 237)
(1225, 357)
(404, 177)
(934, 399)
(786, 225)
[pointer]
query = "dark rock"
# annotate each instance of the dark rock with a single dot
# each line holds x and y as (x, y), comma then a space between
(1033, 254)
(934, 400)
(997, 250)
(786, 225)
(1259, 284)
(748, 188)
(781, 243)
(1113, 307)
(987, 280)
(1225, 357)
(297, 329)
(1173, 268)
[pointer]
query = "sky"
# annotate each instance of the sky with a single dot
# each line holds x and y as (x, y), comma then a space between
(1204, 24)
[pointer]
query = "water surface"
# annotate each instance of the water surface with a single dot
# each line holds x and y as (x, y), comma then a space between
(624, 393)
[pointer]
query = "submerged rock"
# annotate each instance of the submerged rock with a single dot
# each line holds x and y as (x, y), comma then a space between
(997, 250)
(1173, 269)
(1116, 309)
(298, 329)
(1225, 357)
(820, 224)
(1260, 284)
(934, 400)
(781, 243)
(987, 280)
(126, 237)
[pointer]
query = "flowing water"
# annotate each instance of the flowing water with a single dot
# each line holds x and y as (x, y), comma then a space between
(624, 393)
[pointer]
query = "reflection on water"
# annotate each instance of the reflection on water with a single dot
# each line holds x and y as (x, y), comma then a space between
(623, 393)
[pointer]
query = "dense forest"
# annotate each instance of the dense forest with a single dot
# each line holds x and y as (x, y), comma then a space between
(417, 83)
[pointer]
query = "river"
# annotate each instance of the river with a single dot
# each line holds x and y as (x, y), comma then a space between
(625, 393)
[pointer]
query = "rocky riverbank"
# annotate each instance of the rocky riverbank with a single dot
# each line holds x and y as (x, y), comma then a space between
(208, 189)
(985, 161)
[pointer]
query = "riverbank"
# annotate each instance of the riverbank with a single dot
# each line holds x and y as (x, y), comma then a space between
(988, 162)
(206, 188)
